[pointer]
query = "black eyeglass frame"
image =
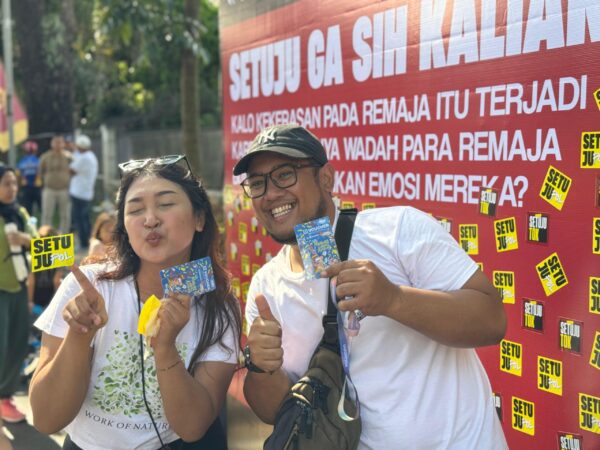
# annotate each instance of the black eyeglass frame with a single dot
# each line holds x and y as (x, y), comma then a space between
(167, 160)
(269, 176)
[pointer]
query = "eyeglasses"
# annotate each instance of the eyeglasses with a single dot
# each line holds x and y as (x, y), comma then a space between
(167, 160)
(283, 176)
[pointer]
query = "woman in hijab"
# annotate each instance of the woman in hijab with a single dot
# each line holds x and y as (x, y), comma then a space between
(15, 235)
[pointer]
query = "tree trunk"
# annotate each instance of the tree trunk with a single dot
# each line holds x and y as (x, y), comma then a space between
(190, 103)
(46, 78)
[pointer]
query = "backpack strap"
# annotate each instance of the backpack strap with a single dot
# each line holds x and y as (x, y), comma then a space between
(343, 236)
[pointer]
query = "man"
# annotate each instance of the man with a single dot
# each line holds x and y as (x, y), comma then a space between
(426, 306)
(54, 170)
(84, 170)
(31, 191)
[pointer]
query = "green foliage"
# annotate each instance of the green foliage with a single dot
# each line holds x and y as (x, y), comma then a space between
(129, 61)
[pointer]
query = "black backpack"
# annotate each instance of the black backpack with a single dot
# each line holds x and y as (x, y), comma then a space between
(308, 418)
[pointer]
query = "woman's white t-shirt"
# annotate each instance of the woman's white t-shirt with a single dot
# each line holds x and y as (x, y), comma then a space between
(113, 415)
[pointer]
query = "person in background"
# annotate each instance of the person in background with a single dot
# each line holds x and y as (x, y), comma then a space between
(102, 234)
(14, 313)
(55, 173)
(42, 285)
(31, 183)
(84, 170)
(424, 305)
(97, 376)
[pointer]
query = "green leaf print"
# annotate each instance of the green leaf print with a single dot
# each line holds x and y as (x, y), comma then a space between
(118, 389)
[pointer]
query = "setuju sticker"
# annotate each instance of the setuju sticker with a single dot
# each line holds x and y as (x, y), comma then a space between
(594, 295)
(497, 399)
(368, 205)
(537, 227)
(589, 413)
(505, 283)
(445, 223)
(595, 353)
(245, 264)
(596, 236)
(549, 375)
(555, 187)
(523, 416)
(511, 357)
(569, 332)
(243, 232)
(551, 274)
(52, 251)
(590, 150)
(533, 315)
(488, 201)
(505, 231)
(569, 441)
(468, 238)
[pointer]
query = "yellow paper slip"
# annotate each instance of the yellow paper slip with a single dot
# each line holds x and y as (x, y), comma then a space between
(148, 322)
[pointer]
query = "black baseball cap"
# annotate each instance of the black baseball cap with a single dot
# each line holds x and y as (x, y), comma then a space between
(290, 140)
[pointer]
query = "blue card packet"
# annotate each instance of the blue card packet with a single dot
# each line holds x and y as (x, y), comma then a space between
(317, 246)
(193, 278)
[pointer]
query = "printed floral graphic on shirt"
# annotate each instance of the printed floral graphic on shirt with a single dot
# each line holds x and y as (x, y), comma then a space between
(119, 385)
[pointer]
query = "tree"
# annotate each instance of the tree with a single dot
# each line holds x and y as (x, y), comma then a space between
(44, 55)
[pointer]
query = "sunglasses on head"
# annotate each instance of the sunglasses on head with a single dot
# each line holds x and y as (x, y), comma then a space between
(168, 160)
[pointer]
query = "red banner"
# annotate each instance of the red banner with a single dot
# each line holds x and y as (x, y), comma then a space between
(485, 114)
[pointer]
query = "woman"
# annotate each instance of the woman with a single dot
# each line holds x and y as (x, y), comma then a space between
(102, 234)
(97, 376)
(14, 312)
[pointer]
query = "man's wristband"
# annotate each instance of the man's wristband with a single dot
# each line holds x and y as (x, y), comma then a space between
(248, 362)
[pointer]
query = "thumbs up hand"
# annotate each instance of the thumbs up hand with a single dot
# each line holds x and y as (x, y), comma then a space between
(86, 311)
(264, 338)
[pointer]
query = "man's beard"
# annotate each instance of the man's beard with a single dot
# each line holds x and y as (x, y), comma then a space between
(290, 239)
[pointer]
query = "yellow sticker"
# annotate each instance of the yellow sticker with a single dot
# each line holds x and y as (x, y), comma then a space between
(245, 289)
(505, 231)
(589, 413)
(149, 311)
(511, 357)
(369, 205)
(505, 283)
(550, 375)
(468, 238)
(245, 264)
(228, 194)
(347, 204)
(551, 274)
(597, 97)
(555, 187)
(590, 150)
(596, 236)
(523, 416)
(52, 251)
(595, 353)
(236, 288)
(243, 232)
(594, 292)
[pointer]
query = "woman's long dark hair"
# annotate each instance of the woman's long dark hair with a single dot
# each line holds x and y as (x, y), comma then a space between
(221, 307)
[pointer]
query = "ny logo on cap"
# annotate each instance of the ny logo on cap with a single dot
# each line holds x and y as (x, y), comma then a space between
(267, 136)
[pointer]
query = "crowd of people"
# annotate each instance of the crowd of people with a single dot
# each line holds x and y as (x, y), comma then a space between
(424, 307)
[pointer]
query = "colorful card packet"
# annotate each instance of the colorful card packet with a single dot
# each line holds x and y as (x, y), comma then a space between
(317, 246)
(193, 278)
